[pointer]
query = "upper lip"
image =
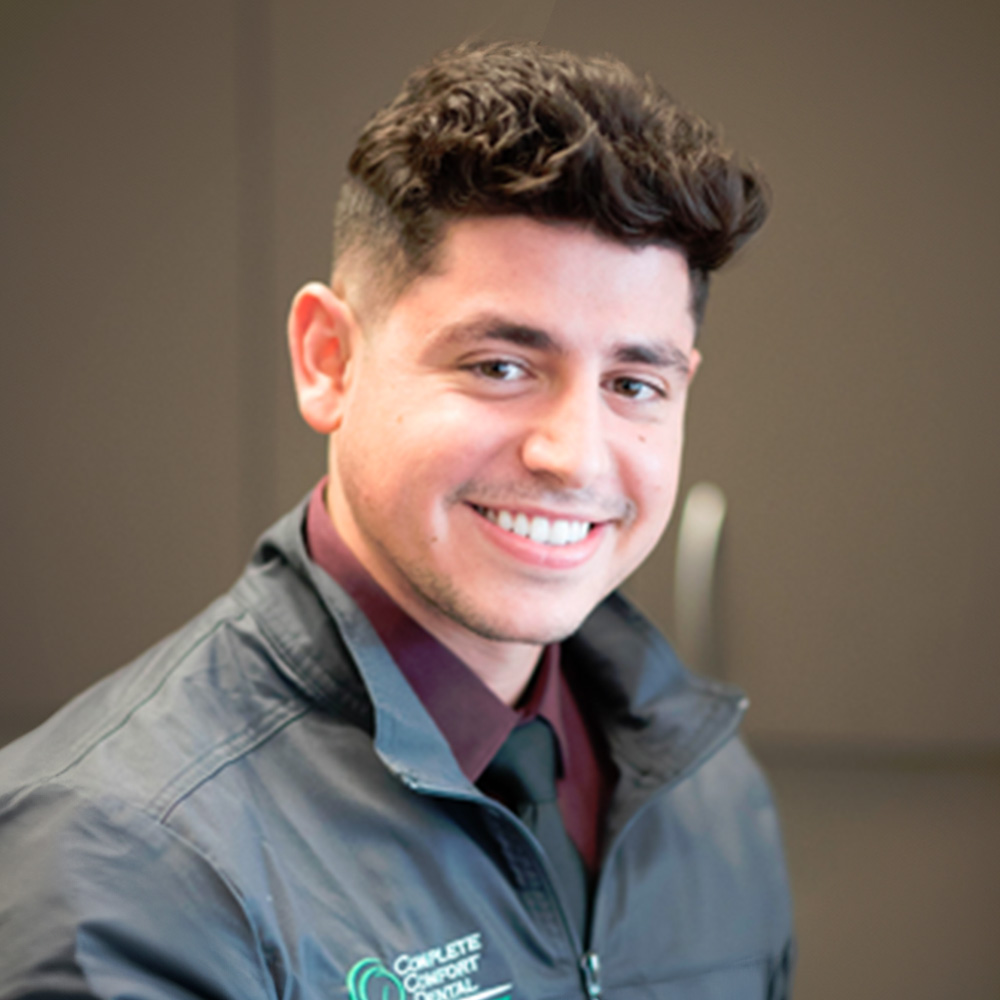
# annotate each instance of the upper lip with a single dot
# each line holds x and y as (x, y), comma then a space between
(550, 515)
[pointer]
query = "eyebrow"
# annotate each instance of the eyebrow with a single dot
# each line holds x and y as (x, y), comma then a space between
(496, 328)
(655, 353)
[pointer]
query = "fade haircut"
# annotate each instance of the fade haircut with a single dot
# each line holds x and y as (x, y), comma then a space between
(520, 129)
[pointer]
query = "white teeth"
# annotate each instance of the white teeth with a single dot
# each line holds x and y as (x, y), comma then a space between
(539, 529)
(559, 533)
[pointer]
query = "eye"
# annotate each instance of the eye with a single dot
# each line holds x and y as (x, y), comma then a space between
(637, 388)
(497, 369)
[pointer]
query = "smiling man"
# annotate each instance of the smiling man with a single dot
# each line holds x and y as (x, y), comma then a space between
(423, 750)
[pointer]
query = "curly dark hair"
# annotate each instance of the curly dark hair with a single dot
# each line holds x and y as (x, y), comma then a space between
(521, 129)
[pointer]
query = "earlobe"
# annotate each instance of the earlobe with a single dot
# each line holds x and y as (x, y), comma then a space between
(321, 331)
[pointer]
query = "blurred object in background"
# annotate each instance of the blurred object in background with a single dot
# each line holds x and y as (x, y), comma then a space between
(699, 538)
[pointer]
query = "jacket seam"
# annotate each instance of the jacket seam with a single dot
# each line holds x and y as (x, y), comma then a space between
(127, 717)
(220, 756)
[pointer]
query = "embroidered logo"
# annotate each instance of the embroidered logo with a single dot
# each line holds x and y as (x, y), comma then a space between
(369, 979)
(447, 972)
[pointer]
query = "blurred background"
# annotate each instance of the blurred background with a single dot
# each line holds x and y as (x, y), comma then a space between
(167, 175)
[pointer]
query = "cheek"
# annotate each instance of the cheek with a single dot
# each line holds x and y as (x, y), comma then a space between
(654, 474)
(413, 455)
(449, 437)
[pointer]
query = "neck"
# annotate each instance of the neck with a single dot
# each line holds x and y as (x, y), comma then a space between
(506, 668)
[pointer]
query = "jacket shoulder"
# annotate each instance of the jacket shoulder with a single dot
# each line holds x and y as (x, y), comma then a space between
(140, 727)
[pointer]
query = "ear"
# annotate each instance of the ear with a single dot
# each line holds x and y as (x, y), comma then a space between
(322, 331)
(694, 363)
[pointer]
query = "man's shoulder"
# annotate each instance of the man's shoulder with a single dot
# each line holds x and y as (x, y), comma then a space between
(143, 726)
(209, 695)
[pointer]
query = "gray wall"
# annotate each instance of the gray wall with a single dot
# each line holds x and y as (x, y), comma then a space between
(168, 173)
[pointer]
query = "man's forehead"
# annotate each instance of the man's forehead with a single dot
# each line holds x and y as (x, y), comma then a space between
(519, 246)
(522, 243)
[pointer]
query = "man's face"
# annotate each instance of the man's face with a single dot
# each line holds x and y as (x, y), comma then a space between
(511, 428)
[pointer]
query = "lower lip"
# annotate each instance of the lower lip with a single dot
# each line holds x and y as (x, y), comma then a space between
(556, 557)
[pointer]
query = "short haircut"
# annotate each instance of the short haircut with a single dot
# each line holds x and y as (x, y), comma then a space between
(520, 129)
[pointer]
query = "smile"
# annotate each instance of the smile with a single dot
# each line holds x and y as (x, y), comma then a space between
(560, 531)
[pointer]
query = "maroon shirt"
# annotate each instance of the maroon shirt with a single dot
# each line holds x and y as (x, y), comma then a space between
(473, 720)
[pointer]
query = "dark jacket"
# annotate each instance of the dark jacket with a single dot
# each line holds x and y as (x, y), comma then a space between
(261, 807)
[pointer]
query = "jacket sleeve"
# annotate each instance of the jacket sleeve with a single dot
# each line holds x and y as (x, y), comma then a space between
(98, 899)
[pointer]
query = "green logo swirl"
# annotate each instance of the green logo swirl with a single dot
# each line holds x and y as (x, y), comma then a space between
(369, 979)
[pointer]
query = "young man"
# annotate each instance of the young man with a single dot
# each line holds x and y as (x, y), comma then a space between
(325, 785)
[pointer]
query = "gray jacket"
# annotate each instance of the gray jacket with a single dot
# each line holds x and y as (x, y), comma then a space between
(261, 807)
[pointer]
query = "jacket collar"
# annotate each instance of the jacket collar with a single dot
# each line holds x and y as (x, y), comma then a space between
(661, 721)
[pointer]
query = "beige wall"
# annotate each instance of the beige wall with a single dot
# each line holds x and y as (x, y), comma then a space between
(168, 172)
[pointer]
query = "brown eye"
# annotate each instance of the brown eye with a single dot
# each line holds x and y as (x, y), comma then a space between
(635, 388)
(498, 369)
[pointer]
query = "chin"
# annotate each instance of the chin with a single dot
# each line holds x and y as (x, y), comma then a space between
(527, 614)
(525, 625)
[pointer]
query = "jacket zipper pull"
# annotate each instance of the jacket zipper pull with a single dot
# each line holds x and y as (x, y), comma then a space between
(591, 964)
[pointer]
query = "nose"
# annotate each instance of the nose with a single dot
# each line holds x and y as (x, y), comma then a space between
(567, 438)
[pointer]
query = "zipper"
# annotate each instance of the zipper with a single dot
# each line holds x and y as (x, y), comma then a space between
(591, 965)
(413, 781)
